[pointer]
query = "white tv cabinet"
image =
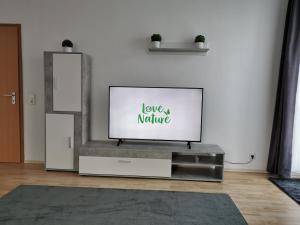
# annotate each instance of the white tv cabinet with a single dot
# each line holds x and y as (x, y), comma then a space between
(203, 162)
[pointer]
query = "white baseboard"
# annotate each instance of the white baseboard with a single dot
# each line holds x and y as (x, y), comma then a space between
(34, 162)
(295, 175)
(244, 170)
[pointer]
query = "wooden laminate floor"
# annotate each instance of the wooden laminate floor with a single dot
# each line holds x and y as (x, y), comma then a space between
(260, 202)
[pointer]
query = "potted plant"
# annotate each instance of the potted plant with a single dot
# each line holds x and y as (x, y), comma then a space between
(156, 39)
(67, 45)
(199, 40)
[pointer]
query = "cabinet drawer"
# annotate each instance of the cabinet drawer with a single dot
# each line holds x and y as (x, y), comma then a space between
(124, 166)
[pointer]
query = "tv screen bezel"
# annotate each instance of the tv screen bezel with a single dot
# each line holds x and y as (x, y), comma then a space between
(140, 139)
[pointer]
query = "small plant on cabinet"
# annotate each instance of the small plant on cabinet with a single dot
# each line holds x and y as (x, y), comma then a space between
(199, 40)
(156, 39)
(67, 45)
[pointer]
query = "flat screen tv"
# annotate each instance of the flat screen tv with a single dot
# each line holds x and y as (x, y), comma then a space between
(155, 113)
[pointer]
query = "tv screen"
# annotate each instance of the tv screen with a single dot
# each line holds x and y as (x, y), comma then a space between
(154, 113)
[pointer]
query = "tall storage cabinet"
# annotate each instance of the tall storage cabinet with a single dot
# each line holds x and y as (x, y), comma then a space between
(67, 104)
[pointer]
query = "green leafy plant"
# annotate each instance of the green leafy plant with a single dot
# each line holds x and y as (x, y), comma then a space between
(199, 38)
(156, 37)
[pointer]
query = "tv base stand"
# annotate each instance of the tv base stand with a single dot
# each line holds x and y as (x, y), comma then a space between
(189, 145)
(203, 162)
(119, 142)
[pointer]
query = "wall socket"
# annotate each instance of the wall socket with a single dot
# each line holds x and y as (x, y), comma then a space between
(31, 99)
(252, 156)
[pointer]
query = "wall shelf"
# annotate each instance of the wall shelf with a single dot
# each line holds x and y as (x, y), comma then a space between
(178, 47)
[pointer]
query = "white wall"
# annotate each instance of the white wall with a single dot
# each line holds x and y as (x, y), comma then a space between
(239, 74)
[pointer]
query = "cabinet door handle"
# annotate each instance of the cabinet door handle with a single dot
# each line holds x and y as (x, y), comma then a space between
(124, 161)
(70, 141)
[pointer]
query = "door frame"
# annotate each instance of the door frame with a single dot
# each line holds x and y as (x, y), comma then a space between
(20, 78)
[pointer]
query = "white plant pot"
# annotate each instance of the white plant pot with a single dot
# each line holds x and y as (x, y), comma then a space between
(68, 49)
(200, 44)
(156, 44)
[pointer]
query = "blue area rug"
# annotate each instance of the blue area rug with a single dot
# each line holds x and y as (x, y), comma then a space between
(290, 186)
(45, 205)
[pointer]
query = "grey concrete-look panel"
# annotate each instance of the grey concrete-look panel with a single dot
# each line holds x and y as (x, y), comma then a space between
(153, 146)
(86, 97)
(144, 150)
(48, 74)
(109, 149)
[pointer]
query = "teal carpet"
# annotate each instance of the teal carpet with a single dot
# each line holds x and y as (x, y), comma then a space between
(290, 186)
(45, 205)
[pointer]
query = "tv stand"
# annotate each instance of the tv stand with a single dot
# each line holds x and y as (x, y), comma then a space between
(203, 162)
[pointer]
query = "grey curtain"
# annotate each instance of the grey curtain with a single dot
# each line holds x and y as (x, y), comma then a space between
(280, 153)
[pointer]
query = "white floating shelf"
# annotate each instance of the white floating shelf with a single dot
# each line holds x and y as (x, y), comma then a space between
(177, 47)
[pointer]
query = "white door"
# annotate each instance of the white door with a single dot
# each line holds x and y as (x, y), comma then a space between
(60, 141)
(67, 82)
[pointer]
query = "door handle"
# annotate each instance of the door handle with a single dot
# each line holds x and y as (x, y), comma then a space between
(13, 97)
(70, 142)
